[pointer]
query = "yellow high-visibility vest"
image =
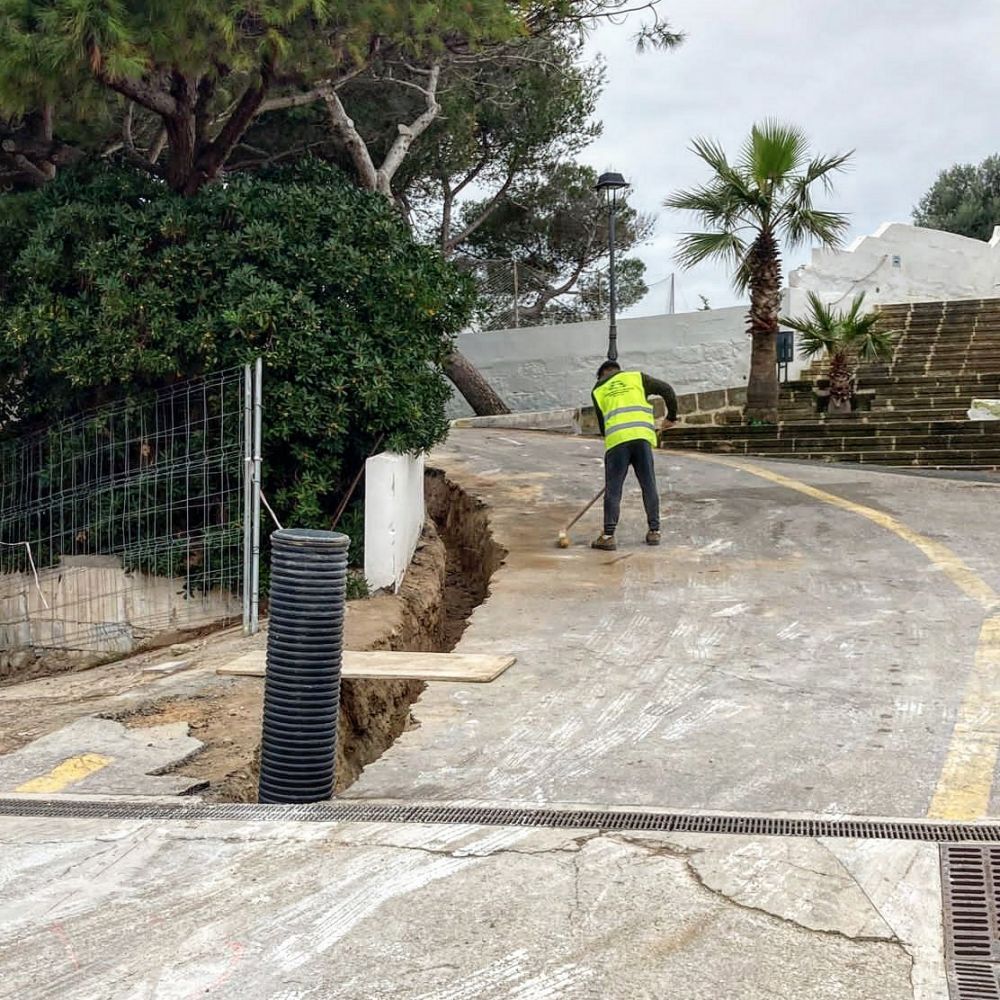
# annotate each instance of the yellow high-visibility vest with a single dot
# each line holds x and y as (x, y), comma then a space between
(628, 415)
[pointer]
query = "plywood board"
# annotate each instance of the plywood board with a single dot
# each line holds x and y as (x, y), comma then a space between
(388, 665)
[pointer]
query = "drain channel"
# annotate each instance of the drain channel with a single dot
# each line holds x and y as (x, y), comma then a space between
(577, 819)
(970, 882)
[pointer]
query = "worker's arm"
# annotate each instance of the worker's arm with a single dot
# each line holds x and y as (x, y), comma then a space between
(654, 387)
(600, 416)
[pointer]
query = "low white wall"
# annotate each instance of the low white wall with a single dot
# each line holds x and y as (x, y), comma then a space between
(90, 603)
(544, 368)
(901, 263)
(394, 516)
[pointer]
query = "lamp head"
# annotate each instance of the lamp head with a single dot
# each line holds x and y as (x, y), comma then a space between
(609, 184)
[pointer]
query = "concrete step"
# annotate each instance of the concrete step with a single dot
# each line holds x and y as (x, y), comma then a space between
(982, 357)
(840, 426)
(921, 352)
(909, 403)
(913, 435)
(925, 458)
(921, 347)
(911, 444)
(878, 416)
(957, 385)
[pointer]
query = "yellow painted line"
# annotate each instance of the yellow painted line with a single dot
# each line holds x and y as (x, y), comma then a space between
(940, 555)
(966, 781)
(963, 789)
(69, 772)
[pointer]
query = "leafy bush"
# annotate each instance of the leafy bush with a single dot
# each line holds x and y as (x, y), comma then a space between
(111, 286)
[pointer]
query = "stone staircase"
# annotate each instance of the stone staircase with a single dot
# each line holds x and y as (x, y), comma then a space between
(947, 354)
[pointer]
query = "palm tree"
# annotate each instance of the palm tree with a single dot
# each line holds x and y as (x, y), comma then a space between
(846, 338)
(748, 208)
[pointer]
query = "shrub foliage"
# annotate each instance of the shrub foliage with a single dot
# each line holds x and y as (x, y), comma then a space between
(112, 286)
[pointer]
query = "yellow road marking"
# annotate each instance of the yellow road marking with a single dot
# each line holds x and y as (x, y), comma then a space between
(966, 781)
(69, 772)
(940, 555)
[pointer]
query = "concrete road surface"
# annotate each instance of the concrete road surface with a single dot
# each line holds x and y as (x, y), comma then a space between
(809, 640)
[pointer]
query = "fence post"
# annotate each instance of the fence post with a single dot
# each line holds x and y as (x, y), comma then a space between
(247, 493)
(258, 419)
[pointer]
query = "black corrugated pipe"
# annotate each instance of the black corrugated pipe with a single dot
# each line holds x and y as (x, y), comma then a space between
(302, 682)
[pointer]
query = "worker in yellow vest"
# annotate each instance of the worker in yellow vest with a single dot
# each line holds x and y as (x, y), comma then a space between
(626, 419)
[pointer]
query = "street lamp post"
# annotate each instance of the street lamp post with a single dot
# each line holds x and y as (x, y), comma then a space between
(609, 184)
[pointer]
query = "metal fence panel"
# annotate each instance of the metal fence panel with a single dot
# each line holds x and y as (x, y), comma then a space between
(130, 520)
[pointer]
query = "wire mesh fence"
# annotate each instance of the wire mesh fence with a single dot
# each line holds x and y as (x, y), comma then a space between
(129, 520)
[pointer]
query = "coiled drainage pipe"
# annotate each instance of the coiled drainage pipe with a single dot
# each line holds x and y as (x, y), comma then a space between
(302, 681)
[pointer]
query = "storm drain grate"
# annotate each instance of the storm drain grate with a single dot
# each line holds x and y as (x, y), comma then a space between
(576, 819)
(970, 881)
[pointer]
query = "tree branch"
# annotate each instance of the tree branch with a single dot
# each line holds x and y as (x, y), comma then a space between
(293, 100)
(492, 205)
(35, 174)
(545, 296)
(128, 140)
(211, 158)
(480, 166)
(37, 159)
(408, 134)
(317, 93)
(159, 143)
(144, 93)
(343, 126)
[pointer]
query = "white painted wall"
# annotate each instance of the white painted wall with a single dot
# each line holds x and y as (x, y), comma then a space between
(901, 263)
(394, 516)
(547, 368)
(543, 368)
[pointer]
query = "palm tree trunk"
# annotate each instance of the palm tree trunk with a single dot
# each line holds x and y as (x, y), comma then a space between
(841, 389)
(762, 325)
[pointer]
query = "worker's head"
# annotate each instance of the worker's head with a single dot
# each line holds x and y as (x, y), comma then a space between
(608, 368)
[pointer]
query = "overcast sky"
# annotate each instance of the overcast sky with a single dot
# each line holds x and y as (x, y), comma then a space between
(912, 85)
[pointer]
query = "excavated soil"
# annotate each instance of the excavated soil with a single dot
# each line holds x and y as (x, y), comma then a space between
(448, 578)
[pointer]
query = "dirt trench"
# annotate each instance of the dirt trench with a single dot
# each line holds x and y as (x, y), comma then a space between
(447, 580)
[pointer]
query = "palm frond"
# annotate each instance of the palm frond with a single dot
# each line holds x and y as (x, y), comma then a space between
(693, 248)
(856, 315)
(863, 334)
(709, 201)
(773, 152)
(726, 173)
(711, 151)
(819, 329)
(853, 334)
(876, 345)
(823, 167)
(767, 190)
(803, 223)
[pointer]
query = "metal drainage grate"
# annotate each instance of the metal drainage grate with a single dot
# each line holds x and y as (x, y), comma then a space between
(970, 880)
(577, 819)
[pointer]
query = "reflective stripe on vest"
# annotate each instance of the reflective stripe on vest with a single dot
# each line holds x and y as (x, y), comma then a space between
(627, 414)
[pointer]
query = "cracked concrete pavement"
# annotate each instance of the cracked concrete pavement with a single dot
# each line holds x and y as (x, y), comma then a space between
(102, 757)
(447, 912)
(777, 655)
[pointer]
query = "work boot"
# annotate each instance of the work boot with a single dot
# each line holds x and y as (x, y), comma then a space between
(605, 542)
(652, 537)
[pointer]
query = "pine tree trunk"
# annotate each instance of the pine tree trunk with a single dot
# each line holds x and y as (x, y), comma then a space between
(762, 325)
(478, 393)
(181, 161)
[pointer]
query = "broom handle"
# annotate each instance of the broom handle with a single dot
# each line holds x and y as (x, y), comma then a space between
(585, 509)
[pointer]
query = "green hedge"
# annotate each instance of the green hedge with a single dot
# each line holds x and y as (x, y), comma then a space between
(112, 286)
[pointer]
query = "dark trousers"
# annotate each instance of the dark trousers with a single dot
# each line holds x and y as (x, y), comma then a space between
(639, 456)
